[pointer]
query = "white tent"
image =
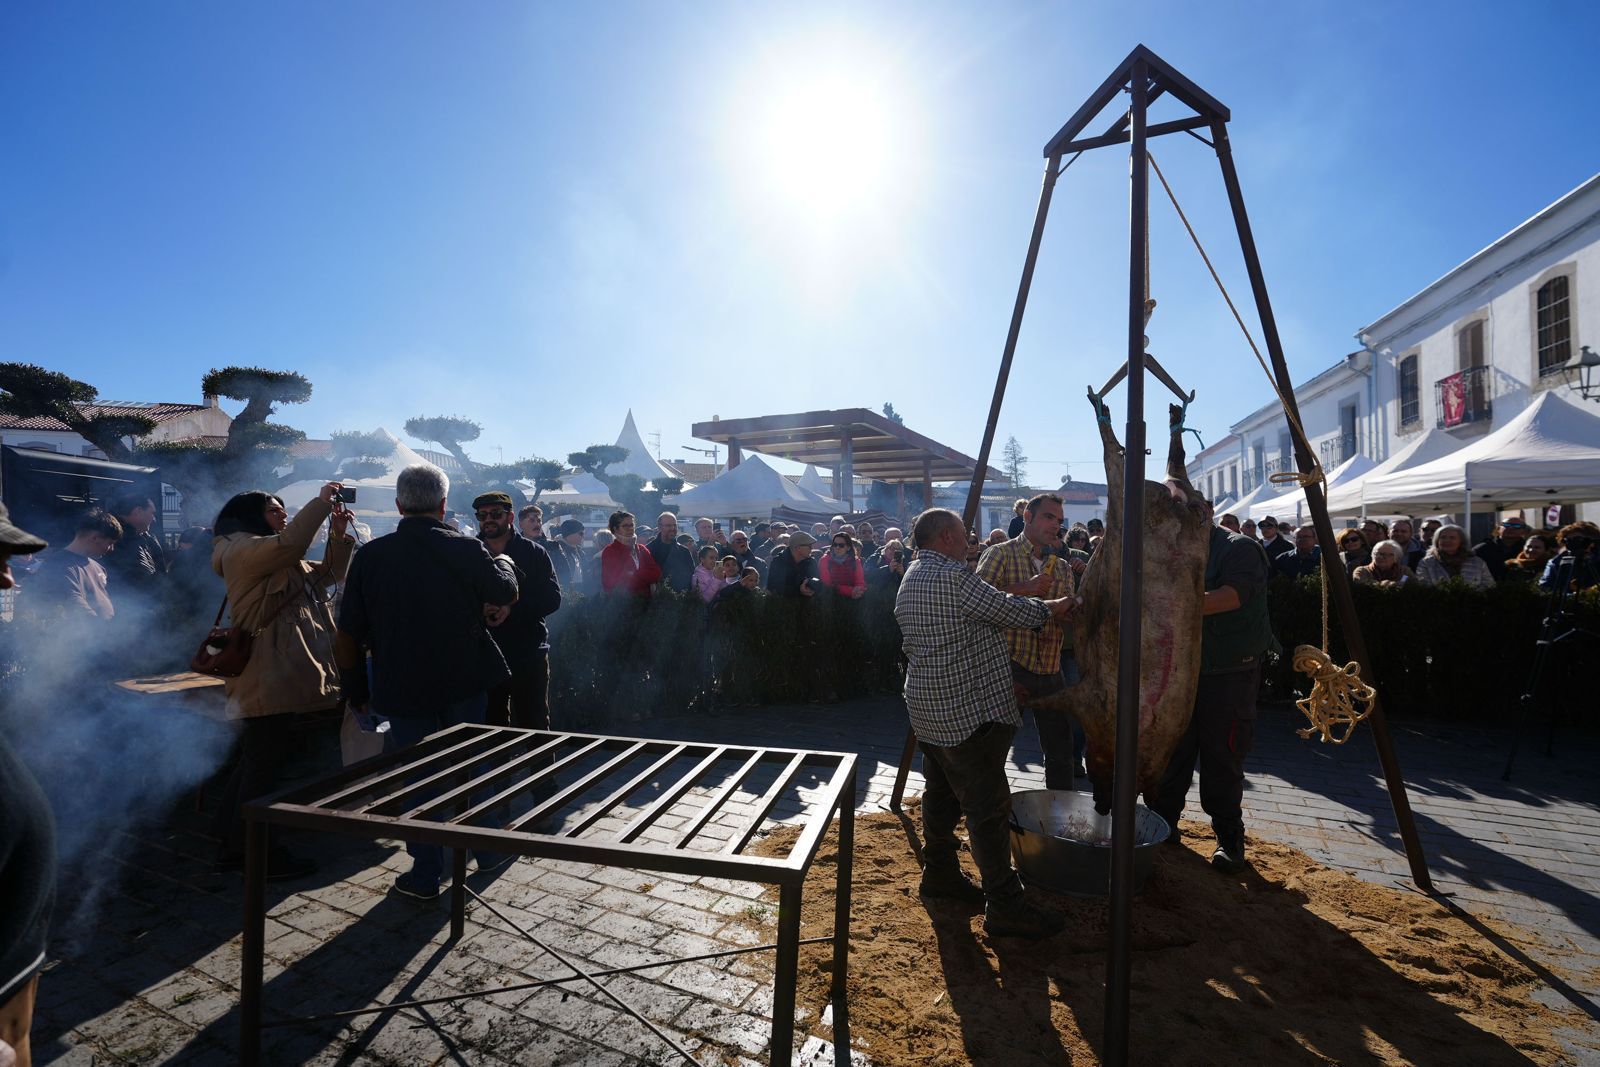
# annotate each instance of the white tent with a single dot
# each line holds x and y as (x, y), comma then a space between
(1349, 498)
(751, 489)
(812, 480)
(639, 460)
(1241, 508)
(582, 489)
(1550, 453)
(1291, 506)
(585, 490)
(374, 496)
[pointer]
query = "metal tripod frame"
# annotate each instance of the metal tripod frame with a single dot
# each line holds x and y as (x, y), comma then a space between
(1145, 77)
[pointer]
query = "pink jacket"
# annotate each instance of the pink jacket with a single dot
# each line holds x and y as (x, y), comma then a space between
(706, 584)
(845, 577)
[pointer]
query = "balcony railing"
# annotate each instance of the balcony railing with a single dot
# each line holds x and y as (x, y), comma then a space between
(1336, 450)
(1463, 397)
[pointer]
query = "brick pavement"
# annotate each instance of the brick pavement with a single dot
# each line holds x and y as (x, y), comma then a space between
(153, 978)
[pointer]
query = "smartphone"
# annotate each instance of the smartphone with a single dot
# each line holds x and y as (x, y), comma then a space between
(347, 495)
(716, 526)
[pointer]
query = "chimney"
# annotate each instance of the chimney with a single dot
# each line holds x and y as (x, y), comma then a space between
(210, 400)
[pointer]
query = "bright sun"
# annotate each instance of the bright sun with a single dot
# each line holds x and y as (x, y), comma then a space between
(825, 144)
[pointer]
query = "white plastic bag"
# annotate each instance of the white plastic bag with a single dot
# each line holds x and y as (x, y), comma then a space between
(361, 736)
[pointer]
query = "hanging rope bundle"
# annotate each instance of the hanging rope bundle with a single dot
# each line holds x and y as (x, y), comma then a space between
(1338, 697)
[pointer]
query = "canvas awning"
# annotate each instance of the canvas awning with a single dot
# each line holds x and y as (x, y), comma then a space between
(1349, 498)
(750, 490)
(1292, 507)
(1548, 454)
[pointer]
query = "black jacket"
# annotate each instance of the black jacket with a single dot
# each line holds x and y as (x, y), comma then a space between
(569, 564)
(785, 574)
(1291, 565)
(27, 873)
(676, 563)
(750, 559)
(415, 597)
(139, 565)
(523, 635)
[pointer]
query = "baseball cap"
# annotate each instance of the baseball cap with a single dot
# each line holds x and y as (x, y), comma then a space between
(15, 538)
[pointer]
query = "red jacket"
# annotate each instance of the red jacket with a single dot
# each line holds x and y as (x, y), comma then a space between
(845, 577)
(633, 569)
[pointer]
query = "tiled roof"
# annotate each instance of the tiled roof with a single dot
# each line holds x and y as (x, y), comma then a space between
(155, 412)
(311, 448)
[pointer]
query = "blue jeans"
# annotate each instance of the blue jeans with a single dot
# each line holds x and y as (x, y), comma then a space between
(427, 861)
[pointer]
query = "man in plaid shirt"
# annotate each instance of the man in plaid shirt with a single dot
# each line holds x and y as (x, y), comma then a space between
(959, 697)
(1023, 567)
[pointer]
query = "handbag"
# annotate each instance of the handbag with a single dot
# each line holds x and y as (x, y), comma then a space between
(225, 650)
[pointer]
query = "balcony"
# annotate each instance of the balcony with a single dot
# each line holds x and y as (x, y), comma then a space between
(1464, 397)
(1336, 450)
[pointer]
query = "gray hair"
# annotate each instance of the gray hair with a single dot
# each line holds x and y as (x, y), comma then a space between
(1390, 543)
(932, 524)
(419, 488)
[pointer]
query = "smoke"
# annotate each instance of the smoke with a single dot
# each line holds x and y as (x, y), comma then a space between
(110, 762)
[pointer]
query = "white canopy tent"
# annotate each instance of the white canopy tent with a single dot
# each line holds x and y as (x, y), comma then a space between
(1241, 507)
(812, 481)
(585, 490)
(1548, 454)
(1349, 498)
(752, 489)
(1291, 506)
(374, 495)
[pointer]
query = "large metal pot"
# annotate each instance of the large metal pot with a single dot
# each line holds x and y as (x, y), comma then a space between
(1062, 844)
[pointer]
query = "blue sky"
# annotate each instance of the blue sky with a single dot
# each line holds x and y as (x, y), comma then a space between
(543, 215)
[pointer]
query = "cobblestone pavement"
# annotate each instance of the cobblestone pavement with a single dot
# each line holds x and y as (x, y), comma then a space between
(152, 976)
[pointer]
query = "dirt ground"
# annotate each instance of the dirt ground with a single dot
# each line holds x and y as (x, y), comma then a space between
(1288, 963)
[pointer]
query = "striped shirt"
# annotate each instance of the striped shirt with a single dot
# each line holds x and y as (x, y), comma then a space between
(958, 673)
(1009, 564)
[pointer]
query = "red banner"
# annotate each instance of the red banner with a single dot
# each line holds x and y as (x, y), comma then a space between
(1453, 396)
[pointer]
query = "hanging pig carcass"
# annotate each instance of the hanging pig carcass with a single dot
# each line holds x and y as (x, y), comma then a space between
(1175, 536)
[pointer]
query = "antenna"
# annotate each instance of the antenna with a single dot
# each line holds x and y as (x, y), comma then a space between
(654, 437)
(713, 452)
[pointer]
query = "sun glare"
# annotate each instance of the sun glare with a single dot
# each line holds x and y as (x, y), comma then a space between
(825, 145)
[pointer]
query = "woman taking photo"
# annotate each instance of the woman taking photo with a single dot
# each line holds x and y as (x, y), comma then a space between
(1386, 568)
(1451, 558)
(282, 601)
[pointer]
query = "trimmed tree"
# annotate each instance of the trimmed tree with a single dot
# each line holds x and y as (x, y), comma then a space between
(29, 391)
(450, 432)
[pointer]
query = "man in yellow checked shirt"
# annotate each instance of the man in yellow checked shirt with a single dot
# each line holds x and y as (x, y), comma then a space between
(1021, 567)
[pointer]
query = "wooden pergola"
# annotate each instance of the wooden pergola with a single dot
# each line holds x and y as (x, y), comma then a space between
(850, 442)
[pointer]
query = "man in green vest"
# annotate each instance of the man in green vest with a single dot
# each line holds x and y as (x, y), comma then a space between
(1234, 637)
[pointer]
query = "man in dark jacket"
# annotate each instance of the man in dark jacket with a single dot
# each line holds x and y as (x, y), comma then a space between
(566, 555)
(418, 599)
(791, 568)
(1274, 544)
(524, 698)
(136, 572)
(1235, 634)
(1505, 544)
(740, 549)
(1305, 560)
(761, 542)
(675, 561)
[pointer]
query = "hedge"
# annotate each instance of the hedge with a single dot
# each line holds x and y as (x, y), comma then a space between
(1438, 651)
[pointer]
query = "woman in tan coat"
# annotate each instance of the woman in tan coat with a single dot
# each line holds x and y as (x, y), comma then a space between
(282, 599)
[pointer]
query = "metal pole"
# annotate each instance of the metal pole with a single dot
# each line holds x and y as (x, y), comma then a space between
(841, 925)
(253, 943)
(1124, 789)
(787, 971)
(975, 494)
(1338, 580)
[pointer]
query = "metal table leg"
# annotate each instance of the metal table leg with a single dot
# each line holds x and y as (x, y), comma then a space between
(907, 755)
(786, 973)
(458, 893)
(841, 927)
(253, 947)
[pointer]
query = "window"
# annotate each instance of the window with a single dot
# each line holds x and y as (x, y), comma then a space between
(1410, 402)
(1553, 337)
(1469, 345)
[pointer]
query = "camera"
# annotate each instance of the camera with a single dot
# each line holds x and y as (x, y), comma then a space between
(347, 495)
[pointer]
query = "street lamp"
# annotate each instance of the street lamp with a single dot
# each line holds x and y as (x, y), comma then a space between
(1583, 373)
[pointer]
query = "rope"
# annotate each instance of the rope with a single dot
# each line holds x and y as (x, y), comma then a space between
(1315, 474)
(1338, 697)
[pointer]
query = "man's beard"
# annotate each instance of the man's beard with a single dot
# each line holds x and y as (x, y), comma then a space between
(490, 528)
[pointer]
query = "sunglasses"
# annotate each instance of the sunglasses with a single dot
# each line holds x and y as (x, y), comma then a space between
(841, 544)
(494, 513)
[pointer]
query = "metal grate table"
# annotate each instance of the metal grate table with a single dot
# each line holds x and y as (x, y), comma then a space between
(676, 807)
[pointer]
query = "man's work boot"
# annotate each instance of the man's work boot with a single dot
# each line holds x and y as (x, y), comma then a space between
(950, 883)
(1015, 917)
(1229, 856)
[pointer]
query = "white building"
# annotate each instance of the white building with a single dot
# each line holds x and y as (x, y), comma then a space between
(1335, 410)
(174, 422)
(1465, 354)
(1217, 471)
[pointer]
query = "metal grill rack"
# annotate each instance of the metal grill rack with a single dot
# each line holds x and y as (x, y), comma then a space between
(679, 807)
